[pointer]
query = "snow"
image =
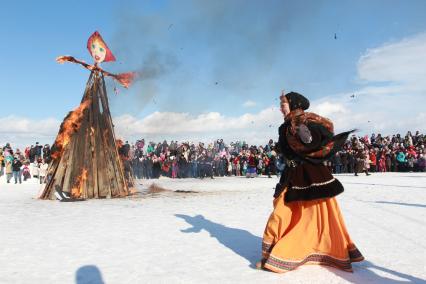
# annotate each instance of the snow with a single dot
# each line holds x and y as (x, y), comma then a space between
(211, 236)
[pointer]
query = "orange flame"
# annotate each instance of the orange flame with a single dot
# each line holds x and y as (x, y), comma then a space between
(77, 190)
(125, 79)
(70, 125)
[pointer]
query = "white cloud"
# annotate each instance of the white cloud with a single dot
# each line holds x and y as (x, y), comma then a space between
(329, 109)
(255, 128)
(392, 94)
(371, 116)
(249, 103)
(401, 64)
(21, 131)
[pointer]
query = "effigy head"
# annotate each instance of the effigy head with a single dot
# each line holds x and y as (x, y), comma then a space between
(99, 49)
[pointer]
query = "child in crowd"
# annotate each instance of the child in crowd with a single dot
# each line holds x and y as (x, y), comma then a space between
(42, 171)
(26, 172)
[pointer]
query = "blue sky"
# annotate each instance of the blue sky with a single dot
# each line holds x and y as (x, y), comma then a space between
(207, 57)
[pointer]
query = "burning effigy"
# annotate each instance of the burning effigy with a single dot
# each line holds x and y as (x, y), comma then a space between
(85, 157)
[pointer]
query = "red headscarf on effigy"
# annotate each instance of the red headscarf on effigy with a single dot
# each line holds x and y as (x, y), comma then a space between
(96, 36)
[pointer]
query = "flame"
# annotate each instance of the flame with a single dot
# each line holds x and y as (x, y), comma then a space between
(69, 126)
(125, 79)
(77, 190)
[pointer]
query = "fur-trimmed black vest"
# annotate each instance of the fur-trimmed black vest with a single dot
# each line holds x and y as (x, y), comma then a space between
(305, 176)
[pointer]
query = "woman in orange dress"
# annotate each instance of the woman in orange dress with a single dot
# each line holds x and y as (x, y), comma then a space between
(306, 225)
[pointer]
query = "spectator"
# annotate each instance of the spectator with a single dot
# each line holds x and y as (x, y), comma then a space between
(410, 162)
(361, 162)
(43, 171)
(9, 168)
(337, 163)
(421, 163)
(373, 161)
(16, 168)
(400, 158)
(26, 172)
(2, 163)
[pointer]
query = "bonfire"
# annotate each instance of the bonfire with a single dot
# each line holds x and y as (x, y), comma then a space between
(85, 157)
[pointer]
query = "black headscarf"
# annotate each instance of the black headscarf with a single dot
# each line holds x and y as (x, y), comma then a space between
(296, 100)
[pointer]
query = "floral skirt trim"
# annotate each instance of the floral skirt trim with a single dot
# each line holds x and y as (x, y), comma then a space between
(282, 265)
(266, 248)
(355, 255)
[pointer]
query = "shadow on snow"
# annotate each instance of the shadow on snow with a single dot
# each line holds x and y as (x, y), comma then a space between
(239, 241)
(401, 203)
(248, 246)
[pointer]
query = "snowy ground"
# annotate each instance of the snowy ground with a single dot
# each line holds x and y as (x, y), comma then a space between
(210, 236)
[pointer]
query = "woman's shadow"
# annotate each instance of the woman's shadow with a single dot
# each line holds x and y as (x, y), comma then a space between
(364, 273)
(239, 241)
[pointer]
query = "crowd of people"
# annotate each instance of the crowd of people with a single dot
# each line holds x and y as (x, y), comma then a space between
(360, 154)
(183, 160)
(381, 154)
(151, 160)
(21, 166)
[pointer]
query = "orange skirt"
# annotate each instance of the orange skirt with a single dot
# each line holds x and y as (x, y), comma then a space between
(307, 232)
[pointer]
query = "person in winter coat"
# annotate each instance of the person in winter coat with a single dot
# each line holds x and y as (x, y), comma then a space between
(16, 168)
(382, 162)
(2, 163)
(410, 162)
(401, 161)
(360, 159)
(43, 171)
(7, 151)
(251, 167)
(267, 163)
(388, 162)
(351, 161)
(337, 163)
(32, 154)
(46, 153)
(373, 161)
(421, 162)
(344, 159)
(367, 160)
(9, 169)
(26, 172)
(150, 148)
(38, 150)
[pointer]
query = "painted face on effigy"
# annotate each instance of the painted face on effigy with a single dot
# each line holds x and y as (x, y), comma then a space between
(98, 51)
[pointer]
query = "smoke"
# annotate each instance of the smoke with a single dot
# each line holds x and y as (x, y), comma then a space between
(157, 64)
(214, 49)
